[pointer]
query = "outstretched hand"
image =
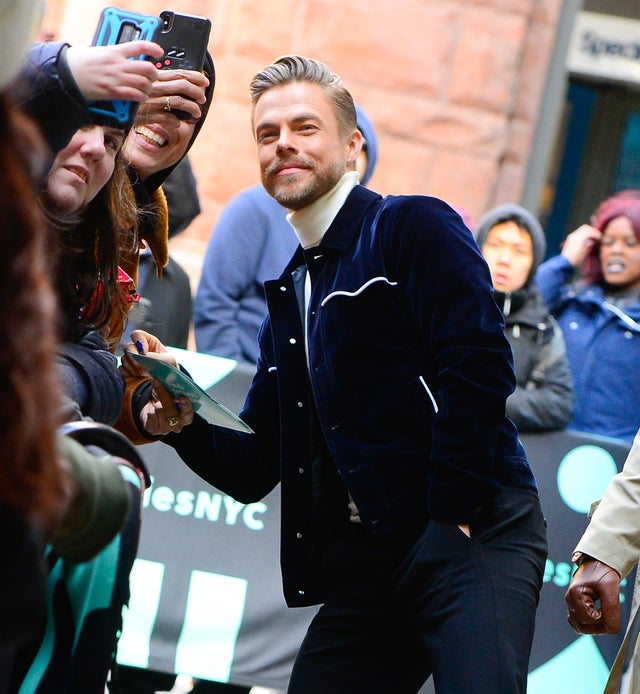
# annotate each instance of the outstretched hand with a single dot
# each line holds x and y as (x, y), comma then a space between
(594, 582)
(105, 73)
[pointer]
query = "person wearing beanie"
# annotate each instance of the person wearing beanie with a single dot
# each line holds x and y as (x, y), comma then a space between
(87, 209)
(53, 490)
(92, 212)
(251, 243)
(593, 289)
(513, 244)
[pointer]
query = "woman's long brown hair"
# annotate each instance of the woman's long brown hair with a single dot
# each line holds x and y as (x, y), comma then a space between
(86, 247)
(32, 483)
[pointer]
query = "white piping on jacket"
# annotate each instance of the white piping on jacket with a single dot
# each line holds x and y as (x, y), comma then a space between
(342, 292)
(430, 394)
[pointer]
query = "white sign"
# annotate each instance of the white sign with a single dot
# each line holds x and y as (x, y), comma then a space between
(605, 46)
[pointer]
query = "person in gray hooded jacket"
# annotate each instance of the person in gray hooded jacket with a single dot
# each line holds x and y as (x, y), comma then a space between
(513, 244)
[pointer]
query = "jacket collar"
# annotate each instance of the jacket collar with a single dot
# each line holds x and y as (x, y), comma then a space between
(344, 228)
(594, 295)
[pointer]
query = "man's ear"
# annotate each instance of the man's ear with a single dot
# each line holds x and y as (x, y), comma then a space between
(354, 145)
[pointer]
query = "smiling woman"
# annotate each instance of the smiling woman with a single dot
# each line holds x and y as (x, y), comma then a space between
(161, 136)
(90, 205)
(83, 167)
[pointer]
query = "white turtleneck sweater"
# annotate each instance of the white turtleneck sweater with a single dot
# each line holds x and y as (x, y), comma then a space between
(310, 224)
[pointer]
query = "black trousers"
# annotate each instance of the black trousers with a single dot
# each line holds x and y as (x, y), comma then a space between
(435, 602)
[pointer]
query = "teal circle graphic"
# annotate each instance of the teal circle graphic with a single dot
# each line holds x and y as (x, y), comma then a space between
(583, 476)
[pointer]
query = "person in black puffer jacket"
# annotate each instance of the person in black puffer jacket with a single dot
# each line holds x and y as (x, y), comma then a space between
(513, 244)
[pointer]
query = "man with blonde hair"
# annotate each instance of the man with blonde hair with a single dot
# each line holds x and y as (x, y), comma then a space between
(409, 509)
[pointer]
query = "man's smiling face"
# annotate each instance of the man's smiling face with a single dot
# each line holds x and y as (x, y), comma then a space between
(301, 149)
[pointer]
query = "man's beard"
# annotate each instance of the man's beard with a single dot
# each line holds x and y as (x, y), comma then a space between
(295, 197)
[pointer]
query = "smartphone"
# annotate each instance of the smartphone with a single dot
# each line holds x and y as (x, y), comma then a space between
(119, 26)
(184, 38)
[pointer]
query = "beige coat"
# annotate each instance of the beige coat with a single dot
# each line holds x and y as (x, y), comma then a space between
(613, 534)
(613, 537)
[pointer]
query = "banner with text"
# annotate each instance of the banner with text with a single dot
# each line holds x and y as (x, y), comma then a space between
(206, 593)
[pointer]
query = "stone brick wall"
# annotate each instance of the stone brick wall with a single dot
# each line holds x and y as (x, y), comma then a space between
(453, 88)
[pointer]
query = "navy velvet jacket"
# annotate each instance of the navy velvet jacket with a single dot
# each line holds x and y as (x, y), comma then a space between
(408, 370)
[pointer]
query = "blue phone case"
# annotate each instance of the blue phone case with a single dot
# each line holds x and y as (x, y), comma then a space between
(120, 26)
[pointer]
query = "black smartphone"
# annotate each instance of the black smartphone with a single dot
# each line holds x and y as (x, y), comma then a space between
(119, 26)
(184, 38)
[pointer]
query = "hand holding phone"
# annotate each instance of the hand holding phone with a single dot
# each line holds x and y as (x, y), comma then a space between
(117, 27)
(104, 73)
(184, 91)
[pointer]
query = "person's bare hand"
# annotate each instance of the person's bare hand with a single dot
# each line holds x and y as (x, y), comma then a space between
(579, 242)
(181, 90)
(594, 581)
(105, 73)
(145, 343)
(163, 414)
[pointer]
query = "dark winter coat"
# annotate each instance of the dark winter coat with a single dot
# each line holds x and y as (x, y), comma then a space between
(408, 371)
(543, 399)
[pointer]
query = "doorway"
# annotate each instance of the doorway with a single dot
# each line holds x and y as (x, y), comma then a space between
(597, 153)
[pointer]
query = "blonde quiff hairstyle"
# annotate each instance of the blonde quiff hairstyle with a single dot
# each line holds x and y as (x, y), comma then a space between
(296, 68)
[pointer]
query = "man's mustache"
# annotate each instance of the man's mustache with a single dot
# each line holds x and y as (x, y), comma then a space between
(280, 164)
